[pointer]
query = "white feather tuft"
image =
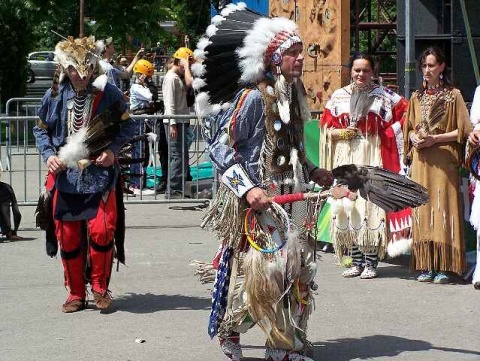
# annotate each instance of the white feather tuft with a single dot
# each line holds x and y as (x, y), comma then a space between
(226, 105)
(198, 83)
(202, 44)
(75, 149)
(217, 20)
(230, 8)
(398, 247)
(302, 100)
(198, 69)
(216, 108)
(199, 55)
(211, 30)
(202, 104)
(100, 82)
(297, 170)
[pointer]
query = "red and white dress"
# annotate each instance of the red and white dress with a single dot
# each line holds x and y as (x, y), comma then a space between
(379, 143)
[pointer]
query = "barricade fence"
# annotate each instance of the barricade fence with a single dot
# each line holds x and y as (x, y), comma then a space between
(22, 166)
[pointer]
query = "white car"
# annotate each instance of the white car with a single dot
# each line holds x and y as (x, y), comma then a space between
(42, 65)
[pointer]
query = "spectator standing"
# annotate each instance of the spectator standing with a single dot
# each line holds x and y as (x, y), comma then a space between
(474, 140)
(176, 83)
(124, 83)
(158, 53)
(114, 74)
(142, 102)
(436, 126)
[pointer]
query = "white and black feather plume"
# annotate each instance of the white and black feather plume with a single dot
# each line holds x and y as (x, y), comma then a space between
(388, 190)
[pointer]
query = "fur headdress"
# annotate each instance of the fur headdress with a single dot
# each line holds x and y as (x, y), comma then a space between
(80, 53)
(237, 50)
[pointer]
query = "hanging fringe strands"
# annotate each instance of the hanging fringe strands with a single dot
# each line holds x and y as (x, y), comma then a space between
(204, 270)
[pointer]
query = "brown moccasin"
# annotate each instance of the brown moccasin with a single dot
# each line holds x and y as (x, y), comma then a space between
(73, 306)
(102, 302)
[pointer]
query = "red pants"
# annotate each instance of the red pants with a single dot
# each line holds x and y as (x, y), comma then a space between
(98, 253)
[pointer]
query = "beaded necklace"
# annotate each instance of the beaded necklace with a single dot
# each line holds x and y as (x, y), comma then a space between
(79, 111)
(428, 98)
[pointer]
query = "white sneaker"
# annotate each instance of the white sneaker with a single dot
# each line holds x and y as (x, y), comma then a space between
(353, 271)
(369, 272)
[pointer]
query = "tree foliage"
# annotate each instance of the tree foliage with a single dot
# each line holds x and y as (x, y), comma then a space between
(29, 25)
(16, 42)
(192, 17)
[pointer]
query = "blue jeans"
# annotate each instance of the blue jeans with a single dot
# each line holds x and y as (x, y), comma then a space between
(178, 158)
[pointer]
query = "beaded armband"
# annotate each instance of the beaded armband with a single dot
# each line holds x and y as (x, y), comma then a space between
(236, 178)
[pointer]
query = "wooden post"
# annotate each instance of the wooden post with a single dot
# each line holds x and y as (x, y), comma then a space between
(325, 30)
(82, 15)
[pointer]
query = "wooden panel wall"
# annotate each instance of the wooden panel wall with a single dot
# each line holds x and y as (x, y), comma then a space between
(324, 26)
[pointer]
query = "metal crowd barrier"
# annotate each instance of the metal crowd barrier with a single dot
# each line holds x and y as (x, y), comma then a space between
(25, 170)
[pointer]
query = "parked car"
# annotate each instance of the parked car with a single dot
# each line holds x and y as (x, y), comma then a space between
(42, 65)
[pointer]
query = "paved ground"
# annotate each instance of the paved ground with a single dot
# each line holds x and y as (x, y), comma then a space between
(158, 299)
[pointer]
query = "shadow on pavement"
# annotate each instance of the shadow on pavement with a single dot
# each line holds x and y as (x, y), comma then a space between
(150, 303)
(365, 348)
(4, 240)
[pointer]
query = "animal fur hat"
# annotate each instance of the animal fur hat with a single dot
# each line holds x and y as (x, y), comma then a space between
(80, 53)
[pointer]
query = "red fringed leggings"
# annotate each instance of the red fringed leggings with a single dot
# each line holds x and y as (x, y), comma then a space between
(99, 253)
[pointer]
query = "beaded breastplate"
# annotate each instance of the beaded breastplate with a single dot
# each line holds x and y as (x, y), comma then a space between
(281, 137)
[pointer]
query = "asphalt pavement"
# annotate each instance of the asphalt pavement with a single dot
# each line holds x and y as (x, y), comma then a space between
(160, 309)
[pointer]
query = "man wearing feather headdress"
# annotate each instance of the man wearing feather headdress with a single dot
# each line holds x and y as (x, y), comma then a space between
(249, 83)
(83, 122)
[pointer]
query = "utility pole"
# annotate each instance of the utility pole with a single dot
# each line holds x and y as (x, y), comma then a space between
(409, 49)
(82, 6)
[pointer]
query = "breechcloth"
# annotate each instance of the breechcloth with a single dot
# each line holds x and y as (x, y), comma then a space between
(98, 252)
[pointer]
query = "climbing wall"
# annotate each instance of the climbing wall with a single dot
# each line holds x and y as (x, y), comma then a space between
(324, 26)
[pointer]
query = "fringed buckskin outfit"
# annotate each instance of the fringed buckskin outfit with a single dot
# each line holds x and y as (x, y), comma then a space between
(273, 290)
(254, 128)
(84, 202)
(438, 242)
(363, 225)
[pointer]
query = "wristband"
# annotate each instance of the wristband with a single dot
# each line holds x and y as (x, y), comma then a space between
(236, 178)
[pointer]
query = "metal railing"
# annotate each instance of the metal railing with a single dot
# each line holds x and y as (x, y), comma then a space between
(26, 171)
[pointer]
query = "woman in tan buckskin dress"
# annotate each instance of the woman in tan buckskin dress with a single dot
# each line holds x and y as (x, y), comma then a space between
(436, 127)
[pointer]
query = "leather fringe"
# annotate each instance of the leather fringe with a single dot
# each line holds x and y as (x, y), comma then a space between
(430, 255)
